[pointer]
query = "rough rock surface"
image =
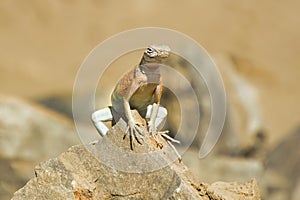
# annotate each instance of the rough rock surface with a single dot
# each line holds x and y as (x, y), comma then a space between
(77, 174)
(224, 191)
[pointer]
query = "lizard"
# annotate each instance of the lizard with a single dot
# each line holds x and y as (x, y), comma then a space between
(140, 89)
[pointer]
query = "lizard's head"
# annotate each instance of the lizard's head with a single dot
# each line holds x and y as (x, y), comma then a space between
(155, 53)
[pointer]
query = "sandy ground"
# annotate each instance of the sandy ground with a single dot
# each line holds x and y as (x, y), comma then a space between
(43, 43)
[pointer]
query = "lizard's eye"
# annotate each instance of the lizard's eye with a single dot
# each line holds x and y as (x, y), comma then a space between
(149, 50)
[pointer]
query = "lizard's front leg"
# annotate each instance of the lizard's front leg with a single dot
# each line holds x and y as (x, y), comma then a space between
(133, 126)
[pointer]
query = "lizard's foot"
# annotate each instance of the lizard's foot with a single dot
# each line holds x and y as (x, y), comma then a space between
(153, 130)
(169, 141)
(167, 137)
(134, 129)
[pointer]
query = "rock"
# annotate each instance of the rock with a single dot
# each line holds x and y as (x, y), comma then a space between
(29, 132)
(228, 191)
(77, 174)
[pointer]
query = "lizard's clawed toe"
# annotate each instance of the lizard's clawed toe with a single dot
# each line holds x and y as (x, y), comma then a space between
(134, 129)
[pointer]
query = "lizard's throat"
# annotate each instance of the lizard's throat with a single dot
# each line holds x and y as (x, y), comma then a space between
(152, 73)
(150, 68)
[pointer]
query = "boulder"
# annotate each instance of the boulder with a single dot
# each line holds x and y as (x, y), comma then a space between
(29, 132)
(81, 173)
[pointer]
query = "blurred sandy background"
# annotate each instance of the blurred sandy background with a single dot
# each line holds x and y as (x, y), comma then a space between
(43, 44)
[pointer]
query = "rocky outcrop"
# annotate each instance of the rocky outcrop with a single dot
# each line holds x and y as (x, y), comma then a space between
(78, 174)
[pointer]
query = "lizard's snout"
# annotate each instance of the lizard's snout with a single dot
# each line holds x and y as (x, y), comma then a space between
(164, 54)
